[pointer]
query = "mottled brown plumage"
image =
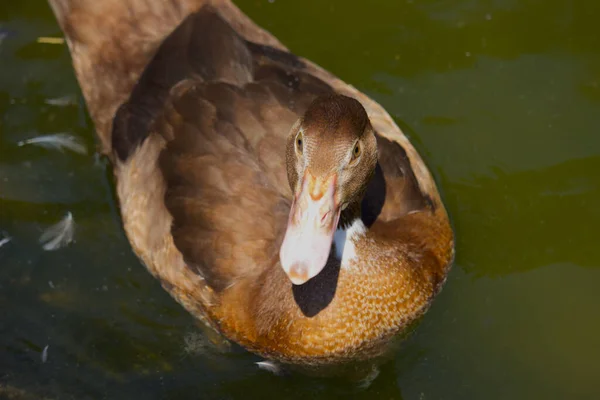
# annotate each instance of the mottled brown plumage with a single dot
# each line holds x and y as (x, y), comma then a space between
(199, 110)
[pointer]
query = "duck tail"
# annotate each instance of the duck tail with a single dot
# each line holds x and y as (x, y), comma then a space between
(111, 42)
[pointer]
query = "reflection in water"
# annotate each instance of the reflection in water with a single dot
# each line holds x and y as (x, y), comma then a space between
(502, 100)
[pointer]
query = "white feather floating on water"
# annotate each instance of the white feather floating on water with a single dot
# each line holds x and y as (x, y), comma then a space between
(68, 100)
(270, 366)
(5, 240)
(45, 354)
(59, 235)
(57, 141)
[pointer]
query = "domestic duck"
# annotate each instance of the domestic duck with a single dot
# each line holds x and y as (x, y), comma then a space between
(279, 205)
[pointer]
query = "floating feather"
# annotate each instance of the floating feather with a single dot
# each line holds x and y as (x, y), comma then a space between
(45, 354)
(5, 240)
(59, 235)
(369, 378)
(58, 141)
(50, 40)
(68, 100)
(270, 366)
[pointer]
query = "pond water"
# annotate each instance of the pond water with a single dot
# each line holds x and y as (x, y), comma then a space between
(501, 97)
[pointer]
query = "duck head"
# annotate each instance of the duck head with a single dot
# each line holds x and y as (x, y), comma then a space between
(331, 155)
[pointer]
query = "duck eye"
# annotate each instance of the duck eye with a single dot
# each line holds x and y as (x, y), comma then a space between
(355, 152)
(299, 143)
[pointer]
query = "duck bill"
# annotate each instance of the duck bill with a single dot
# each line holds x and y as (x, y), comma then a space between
(311, 225)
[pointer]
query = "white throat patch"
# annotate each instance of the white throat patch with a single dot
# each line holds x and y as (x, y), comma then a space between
(344, 241)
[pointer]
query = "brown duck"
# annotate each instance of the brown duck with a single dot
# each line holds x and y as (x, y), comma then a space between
(276, 203)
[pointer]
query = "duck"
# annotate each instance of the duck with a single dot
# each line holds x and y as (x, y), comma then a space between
(280, 206)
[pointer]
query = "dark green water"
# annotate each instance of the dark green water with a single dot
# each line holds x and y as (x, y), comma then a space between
(501, 97)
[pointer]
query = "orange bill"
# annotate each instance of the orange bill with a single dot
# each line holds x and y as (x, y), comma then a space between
(312, 223)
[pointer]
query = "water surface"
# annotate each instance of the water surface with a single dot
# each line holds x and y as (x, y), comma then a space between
(502, 99)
